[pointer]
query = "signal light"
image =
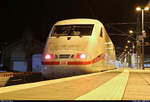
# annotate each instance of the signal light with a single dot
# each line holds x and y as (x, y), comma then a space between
(48, 56)
(81, 56)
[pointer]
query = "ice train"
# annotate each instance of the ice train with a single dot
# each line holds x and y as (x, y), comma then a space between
(77, 46)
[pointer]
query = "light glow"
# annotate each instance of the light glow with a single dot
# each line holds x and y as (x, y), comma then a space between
(131, 31)
(128, 41)
(81, 56)
(146, 8)
(138, 9)
(48, 56)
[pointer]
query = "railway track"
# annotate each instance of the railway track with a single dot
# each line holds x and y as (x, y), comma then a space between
(14, 78)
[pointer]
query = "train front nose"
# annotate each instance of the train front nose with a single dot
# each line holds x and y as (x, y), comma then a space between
(63, 64)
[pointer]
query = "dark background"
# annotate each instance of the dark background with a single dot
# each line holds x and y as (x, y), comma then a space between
(39, 15)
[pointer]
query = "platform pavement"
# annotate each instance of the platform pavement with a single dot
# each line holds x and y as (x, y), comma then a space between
(131, 84)
(111, 90)
(138, 86)
(61, 89)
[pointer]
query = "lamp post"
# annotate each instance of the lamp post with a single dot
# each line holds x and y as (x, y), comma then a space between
(133, 42)
(130, 52)
(143, 31)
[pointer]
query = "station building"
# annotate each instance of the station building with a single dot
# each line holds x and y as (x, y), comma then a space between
(24, 54)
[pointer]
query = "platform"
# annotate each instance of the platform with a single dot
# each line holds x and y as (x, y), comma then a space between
(119, 84)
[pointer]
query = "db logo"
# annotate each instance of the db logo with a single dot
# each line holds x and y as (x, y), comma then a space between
(63, 62)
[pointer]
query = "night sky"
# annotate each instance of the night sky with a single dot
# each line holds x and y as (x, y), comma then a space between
(39, 15)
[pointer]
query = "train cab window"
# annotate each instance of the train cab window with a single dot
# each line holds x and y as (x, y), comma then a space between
(101, 33)
(73, 30)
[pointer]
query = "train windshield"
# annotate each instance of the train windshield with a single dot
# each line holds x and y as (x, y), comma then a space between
(73, 30)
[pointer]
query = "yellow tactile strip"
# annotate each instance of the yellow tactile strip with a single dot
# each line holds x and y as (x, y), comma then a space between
(111, 90)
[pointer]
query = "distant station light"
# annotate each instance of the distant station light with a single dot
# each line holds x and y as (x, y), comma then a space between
(126, 46)
(146, 8)
(128, 41)
(138, 9)
(130, 31)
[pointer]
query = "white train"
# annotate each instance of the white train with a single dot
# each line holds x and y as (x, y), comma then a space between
(77, 46)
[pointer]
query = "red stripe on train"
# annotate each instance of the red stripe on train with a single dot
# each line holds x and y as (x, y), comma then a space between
(50, 63)
(79, 63)
(100, 57)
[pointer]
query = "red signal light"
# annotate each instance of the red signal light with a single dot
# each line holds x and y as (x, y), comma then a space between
(48, 56)
(81, 56)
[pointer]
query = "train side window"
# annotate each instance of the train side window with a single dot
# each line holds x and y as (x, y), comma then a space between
(101, 33)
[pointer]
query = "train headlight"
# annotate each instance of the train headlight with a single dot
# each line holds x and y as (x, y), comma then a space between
(81, 56)
(48, 56)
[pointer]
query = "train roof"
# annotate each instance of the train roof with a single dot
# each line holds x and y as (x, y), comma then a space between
(79, 21)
